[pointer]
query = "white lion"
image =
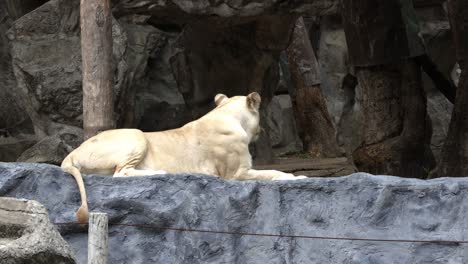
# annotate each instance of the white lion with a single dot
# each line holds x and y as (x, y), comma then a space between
(215, 144)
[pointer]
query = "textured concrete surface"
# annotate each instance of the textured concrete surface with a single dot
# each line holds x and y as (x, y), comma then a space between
(27, 236)
(360, 205)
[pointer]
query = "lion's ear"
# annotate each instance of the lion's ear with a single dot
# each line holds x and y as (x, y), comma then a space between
(219, 98)
(254, 100)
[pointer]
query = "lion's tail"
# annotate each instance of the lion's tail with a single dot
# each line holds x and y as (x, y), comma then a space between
(68, 166)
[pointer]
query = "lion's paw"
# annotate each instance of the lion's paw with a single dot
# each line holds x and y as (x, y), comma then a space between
(157, 172)
(288, 177)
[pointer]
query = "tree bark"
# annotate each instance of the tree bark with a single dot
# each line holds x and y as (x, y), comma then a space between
(454, 154)
(382, 38)
(396, 130)
(96, 48)
(314, 123)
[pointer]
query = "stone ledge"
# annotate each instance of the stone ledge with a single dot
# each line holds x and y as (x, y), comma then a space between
(360, 205)
(27, 236)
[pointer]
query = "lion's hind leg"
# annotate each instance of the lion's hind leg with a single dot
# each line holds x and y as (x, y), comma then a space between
(129, 168)
(129, 160)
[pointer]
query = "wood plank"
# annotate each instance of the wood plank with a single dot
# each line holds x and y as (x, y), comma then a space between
(97, 238)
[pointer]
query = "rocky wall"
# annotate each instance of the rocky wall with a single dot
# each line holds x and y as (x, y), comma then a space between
(356, 206)
(231, 47)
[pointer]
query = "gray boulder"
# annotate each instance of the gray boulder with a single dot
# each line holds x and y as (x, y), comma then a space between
(12, 147)
(27, 236)
(46, 58)
(53, 149)
(45, 50)
(13, 120)
(357, 206)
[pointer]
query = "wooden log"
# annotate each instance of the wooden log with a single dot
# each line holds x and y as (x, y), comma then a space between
(97, 239)
(96, 48)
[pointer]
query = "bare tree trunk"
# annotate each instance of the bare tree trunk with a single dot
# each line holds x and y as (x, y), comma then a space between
(396, 130)
(445, 86)
(416, 157)
(454, 155)
(96, 48)
(382, 39)
(380, 103)
(314, 123)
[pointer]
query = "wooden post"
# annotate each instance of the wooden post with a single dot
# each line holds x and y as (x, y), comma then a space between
(97, 239)
(96, 50)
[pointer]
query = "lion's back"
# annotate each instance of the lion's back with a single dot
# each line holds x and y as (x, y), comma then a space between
(109, 149)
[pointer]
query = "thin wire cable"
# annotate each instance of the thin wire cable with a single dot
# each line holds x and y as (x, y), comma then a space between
(282, 236)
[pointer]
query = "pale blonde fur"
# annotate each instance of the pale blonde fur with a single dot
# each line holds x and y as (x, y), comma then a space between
(215, 144)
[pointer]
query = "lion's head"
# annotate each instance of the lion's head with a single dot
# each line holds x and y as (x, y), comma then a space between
(246, 108)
